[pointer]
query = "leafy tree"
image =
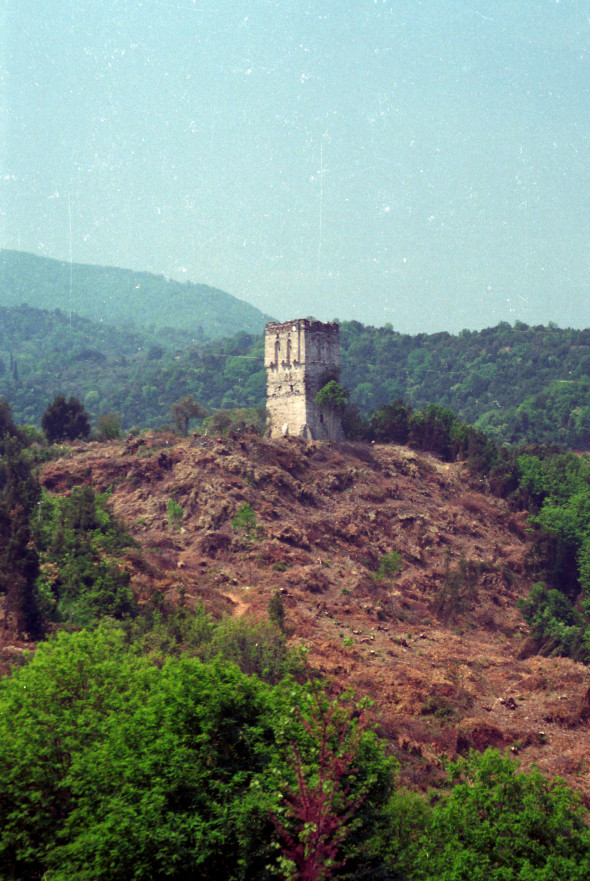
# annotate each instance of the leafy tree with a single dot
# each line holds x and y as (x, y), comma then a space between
(220, 421)
(184, 410)
(175, 514)
(331, 399)
(391, 422)
(557, 488)
(556, 625)
(7, 425)
(321, 805)
(244, 523)
(65, 420)
(335, 782)
(431, 430)
(112, 766)
(499, 824)
(395, 843)
(80, 540)
(109, 426)
(276, 610)
(389, 567)
(354, 425)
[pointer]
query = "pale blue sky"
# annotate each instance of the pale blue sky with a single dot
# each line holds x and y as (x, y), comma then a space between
(424, 163)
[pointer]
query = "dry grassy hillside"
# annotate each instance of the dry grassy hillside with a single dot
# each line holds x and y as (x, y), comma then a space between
(439, 646)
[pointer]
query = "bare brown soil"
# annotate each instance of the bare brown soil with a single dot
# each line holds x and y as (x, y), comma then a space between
(441, 647)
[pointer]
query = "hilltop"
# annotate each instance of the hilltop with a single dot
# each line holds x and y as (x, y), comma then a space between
(399, 574)
(121, 297)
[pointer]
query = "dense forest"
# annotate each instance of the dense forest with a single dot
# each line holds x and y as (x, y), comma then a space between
(517, 383)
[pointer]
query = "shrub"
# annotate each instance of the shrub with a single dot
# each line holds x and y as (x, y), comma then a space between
(256, 647)
(80, 540)
(244, 523)
(276, 610)
(457, 590)
(391, 422)
(243, 419)
(184, 410)
(109, 426)
(557, 627)
(220, 421)
(175, 514)
(391, 564)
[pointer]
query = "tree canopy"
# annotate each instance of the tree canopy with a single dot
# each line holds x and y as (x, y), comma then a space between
(186, 409)
(112, 766)
(65, 420)
(499, 824)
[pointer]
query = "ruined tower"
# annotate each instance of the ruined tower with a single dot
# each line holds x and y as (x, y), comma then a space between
(300, 357)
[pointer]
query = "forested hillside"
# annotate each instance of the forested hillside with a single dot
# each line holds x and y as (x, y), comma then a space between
(123, 298)
(135, 373)
(519, 384)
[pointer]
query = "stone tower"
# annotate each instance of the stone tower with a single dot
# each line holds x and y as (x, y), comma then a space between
(300, 357)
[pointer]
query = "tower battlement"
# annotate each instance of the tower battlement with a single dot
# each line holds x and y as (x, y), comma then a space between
(300, 357)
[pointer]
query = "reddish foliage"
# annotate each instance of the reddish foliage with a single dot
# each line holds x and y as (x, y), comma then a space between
(320, 806)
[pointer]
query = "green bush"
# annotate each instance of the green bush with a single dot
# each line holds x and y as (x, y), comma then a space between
(498, 824)
(458, 589)
(80, 542)
(276, 610)
(109, 426)
(256, 647)
(175, 514)
(19, 561)
(389, 567)
(556, 625)
(244, 523)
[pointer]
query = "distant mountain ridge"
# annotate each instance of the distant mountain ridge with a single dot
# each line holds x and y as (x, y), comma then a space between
(116, 296)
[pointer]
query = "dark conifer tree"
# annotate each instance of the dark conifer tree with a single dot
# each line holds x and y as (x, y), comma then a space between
(65, 420)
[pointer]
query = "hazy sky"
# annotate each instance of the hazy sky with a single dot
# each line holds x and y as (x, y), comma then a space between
(423, 163)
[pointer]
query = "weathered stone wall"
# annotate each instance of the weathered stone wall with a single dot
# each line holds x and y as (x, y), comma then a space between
(300, 357)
